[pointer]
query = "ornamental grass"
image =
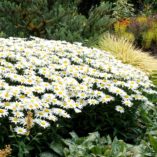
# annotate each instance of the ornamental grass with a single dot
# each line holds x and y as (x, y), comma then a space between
(124, 50)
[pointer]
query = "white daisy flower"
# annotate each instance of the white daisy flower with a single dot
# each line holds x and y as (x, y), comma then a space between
(20, 130)
(127, 103)
(42, 123)
(3, 112)
(120, 109)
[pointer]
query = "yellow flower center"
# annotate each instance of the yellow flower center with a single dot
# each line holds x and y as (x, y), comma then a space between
(43, 123)
(20, 130)
(7, 104)
(1, 111)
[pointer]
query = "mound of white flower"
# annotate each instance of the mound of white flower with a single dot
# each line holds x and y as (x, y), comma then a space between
(46, 77)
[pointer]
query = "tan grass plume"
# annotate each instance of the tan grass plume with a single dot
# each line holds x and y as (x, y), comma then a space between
(125, 51)
(6, 151)
(29, 121)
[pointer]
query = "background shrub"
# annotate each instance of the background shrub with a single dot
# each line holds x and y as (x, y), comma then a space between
(122, 9)
(54, 19)
(142, 30)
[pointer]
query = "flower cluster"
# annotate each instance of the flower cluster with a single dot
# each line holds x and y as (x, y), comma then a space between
(45, 78)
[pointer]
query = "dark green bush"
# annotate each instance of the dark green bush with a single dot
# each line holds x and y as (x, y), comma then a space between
(146, 7)
(53, 19)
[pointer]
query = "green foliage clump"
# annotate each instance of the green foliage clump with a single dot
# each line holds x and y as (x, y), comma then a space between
(154, 78)
(95, 145)
(100, 20)
(122, 9)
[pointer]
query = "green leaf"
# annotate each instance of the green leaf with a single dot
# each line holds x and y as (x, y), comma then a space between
(97, 150)
(118, 147)
(153, 142)
(47, 154)
(74, 135)
(92, 137)
(57, 146)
